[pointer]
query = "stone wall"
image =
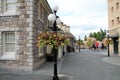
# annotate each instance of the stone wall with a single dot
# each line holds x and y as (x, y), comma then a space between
(40, 24)
(21, 24)
(27, 25)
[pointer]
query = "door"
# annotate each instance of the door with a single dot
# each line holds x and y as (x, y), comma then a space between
(115, 41)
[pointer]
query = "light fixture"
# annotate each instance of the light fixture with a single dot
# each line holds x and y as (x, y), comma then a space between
(51, 17)
(55, 8)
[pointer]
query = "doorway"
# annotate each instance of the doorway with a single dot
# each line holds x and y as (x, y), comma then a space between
(115, 45)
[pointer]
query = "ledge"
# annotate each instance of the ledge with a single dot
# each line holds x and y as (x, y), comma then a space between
(7, 57)
(9, 14)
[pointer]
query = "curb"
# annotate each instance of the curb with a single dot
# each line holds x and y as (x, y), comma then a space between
(112, 60)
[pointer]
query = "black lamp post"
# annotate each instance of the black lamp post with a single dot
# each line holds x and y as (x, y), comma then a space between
(79, 43)
(108, 43)
(54, 18)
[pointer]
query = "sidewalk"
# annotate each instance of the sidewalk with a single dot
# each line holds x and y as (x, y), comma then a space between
(45, 72)
(46, 69)
(113, 59)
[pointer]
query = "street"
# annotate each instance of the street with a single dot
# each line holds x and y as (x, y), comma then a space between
(83, 65)
(89, 65)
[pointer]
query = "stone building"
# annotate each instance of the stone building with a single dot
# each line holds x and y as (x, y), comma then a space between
(20, 23)
(114, 24)
(70, 36)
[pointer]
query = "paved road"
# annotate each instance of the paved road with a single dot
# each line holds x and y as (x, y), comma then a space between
(84, 65)
(89, 65)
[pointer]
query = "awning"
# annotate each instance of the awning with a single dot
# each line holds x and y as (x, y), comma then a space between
(114, 35)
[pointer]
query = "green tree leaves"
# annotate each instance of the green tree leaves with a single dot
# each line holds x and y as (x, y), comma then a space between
(100, 35)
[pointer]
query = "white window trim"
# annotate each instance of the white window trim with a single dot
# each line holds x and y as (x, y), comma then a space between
(9, 12)
(9, 55)
(49, 49)
(40, 53)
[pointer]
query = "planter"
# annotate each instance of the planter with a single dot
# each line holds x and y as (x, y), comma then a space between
(50, 58)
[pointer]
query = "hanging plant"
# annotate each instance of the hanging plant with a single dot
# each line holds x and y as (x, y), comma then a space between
(53, 39)
(110, 41)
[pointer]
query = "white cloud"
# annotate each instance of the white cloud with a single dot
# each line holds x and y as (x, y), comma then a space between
(83, 16)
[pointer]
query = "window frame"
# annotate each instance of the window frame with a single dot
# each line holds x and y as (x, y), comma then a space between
(112, 9)
(118, 20)
(6, 9)
(117, 5)
(112, 22)
(40, 12)
(6, 42)
(8, 55)
(40, 52)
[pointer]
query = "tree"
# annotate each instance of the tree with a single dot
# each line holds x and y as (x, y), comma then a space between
(89, 43)
(81, 42)
(103, 33)
(91, 35)
(100, 35)
(85, 38)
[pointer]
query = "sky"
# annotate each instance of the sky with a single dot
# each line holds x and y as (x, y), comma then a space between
(83, 16)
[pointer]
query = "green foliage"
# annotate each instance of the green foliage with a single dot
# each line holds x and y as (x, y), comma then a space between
(53, 39)
(100, 35)
(90, 35)
(89, 43)
(80, 42)
(85, 38)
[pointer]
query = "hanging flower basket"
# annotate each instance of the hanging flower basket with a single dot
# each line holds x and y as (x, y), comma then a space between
(53, 39)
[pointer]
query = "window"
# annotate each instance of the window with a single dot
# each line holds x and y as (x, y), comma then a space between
(8, 45)
(112, 9)
(117, 5)
(112, 22)
(9, 6)
(40, 53)
(9, 41)
(41, 11)
(49, 49)
(118, 20)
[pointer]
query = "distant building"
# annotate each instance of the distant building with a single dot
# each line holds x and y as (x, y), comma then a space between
(65, 30)
(89, 40)
(20, 23)
(114, 24)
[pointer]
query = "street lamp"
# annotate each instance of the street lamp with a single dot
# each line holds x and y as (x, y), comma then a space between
(79, 43)
(108, 43)
(55, 20)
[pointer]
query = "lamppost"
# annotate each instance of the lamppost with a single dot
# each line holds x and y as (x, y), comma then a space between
(79, 43)
(55, 19)
(108, 43)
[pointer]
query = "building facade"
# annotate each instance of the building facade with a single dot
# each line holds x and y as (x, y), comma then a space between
(66, 30)
(114, 24)
(20, 23)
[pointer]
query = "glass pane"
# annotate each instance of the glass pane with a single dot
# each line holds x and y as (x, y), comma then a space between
(11, 7)
(6, 38)
(9, 38)
(11, 1)
(7, 49)
(10, 48)
(9, 42)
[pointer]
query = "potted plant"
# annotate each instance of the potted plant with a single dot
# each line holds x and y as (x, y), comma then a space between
(52, 39)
